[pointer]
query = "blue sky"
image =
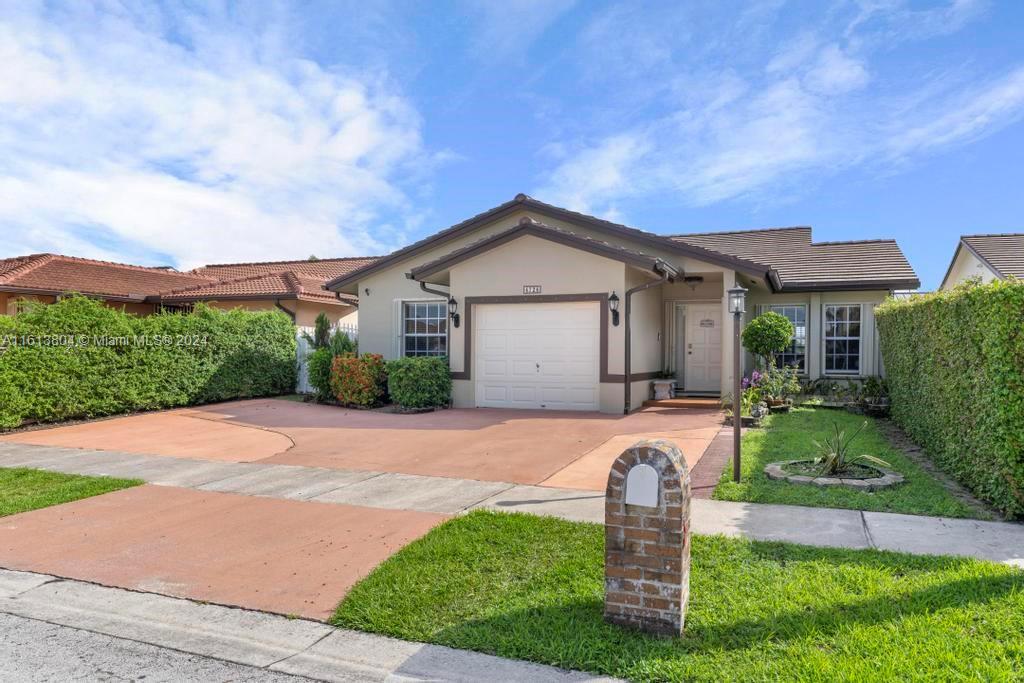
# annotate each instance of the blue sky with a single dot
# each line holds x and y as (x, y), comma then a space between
(189, 134)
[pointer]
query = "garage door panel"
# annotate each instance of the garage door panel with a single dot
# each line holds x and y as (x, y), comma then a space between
(541, 355)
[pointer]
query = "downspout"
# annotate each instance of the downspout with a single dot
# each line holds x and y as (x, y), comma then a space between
(667, 274)
(278, 306)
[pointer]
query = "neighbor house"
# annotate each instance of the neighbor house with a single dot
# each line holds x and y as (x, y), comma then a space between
(295, 287)
(986, 257)
(536, 306)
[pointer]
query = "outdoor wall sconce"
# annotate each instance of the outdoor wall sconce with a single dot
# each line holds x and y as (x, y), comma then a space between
(453, 311)
(613, 306)
(366, 291)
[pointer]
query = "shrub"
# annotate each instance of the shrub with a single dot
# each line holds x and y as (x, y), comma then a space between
(766, 335)
(342, 343)
(318, 365)
(422, 382)
(321, 336)
(359, 381)
(955, 369)
(79, 358)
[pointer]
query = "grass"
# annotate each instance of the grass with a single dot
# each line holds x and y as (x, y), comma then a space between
(790, 437)
(24, 489)
(530, 588)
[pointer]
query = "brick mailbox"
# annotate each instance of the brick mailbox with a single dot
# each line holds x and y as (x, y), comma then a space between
(647, 539)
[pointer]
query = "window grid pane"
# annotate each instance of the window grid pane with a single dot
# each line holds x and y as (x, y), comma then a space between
(842, 339)
(796, 354)
(426, 329)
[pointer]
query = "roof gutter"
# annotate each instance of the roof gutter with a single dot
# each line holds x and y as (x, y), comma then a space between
(280, 307)
(668, 273)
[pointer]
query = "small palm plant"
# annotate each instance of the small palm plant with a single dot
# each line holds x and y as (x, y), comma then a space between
(835, 455)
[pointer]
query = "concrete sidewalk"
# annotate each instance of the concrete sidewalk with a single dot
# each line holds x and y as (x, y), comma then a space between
(996, 541)
(268, 642)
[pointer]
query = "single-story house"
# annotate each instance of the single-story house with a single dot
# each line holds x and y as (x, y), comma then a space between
(295, 287)
(536, 306)
(988, 257)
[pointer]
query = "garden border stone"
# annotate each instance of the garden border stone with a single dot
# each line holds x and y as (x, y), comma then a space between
(889, 478)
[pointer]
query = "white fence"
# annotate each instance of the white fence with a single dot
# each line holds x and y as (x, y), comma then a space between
(303, 348)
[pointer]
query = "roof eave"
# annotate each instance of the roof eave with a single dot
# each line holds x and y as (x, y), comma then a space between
(852, 285)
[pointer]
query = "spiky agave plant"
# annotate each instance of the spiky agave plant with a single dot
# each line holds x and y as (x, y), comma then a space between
(835, 455)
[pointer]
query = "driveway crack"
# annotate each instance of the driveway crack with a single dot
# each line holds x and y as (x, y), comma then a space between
(867, 531)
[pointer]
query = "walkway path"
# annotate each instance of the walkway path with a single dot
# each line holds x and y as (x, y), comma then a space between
(997, 541)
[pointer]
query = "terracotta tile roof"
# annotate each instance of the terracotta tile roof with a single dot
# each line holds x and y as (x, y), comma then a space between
(276, 285)
(803, 264)
(56, 274)
(1003, 253)
(321, 269)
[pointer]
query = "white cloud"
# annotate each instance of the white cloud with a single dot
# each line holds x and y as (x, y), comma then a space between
(216, 144)
(505, 30)
(766, 122)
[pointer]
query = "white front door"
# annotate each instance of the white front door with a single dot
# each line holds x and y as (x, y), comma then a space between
(703, 348)
(543, 355)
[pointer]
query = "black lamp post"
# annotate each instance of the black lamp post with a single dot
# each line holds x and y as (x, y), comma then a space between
(737, 306)
(453, 311)
(613, 306)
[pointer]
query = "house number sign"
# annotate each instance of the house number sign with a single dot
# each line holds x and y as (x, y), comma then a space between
(707, 322)
(531, 289)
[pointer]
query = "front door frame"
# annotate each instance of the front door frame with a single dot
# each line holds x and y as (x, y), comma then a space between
(676, 311)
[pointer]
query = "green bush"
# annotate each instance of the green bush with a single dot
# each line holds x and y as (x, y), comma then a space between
(955, 369)
(78, 358)
(318, 365)
(766, 335)
(359, 381)
(422, 382)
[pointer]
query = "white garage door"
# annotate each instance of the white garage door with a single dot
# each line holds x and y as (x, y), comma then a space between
(542, 355)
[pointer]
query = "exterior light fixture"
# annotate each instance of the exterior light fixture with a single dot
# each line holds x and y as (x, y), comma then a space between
(737, 306)
(453, 311)
(737, 300)
(613, 306)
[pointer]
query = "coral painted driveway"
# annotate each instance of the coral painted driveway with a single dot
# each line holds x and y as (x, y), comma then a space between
(564, 449)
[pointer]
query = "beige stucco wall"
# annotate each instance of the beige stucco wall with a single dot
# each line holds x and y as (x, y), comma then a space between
(9, 301)
(133, 308)
(965, 266)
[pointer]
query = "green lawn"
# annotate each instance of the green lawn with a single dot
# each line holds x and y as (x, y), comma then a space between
(23, 489)
(790, 437)
(530, 588)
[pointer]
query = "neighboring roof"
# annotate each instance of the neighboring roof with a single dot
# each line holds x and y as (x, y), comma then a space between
(281, 285)
(56, 274)
(522, 201)
(527, 226)
(322, 269)
(806, 265)
(1004, 254)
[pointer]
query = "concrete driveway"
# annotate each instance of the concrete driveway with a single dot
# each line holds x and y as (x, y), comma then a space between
(282, 506)
(563, 449)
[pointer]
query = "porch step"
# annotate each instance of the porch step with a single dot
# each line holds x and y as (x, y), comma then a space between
(685, 402)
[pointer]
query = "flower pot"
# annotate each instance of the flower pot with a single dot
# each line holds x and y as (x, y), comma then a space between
(663, 389)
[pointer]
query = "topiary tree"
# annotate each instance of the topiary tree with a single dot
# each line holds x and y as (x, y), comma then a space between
(766, 335)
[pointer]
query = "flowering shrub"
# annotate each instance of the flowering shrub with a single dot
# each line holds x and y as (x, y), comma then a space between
(359, 380)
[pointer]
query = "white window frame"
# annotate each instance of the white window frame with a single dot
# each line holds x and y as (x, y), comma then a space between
(807, 336)
(403, 334)
(825, 339)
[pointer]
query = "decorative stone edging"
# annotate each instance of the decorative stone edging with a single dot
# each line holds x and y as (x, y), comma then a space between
(889, 478)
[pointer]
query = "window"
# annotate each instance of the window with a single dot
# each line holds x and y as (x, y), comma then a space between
(796, 354)
(842, 339)
(425, 326)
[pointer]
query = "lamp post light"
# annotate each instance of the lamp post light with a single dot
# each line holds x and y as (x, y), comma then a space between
(737, 301)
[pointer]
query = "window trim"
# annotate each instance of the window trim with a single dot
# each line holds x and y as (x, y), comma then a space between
(807, 331)
(824, 341)
(403, 334)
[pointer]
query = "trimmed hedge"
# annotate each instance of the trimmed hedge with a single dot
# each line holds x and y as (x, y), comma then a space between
(422, 382)
(955, 367)
(359, 381)
(318, 366)
(79, 358)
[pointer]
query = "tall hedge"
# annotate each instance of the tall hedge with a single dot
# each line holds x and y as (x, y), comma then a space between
(955, 366)
(78, 358)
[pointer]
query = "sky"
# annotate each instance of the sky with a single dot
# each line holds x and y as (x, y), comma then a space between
(192, 133)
